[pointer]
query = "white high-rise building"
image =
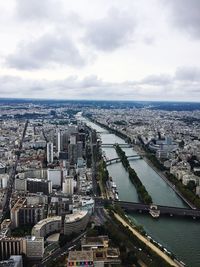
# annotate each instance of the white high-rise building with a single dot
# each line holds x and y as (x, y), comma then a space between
(50, 152)
(55, 176)
(72, 139)
(58, 142)
(68, 185)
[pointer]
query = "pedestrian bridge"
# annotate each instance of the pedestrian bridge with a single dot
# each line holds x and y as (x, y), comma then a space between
(116, 160)
(144, 208)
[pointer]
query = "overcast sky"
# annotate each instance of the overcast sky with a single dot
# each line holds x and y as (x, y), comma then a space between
(100, 49)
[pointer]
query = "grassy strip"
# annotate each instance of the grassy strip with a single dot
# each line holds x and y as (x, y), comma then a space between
(141, 190)
(103, 177)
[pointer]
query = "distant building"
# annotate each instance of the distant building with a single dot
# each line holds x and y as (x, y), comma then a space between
(50, 152)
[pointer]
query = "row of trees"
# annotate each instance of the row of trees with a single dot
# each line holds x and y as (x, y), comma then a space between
(141, 190)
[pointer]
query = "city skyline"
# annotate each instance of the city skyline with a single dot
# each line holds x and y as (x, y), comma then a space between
(143, 50)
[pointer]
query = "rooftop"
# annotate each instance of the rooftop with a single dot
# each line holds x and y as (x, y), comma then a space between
(80, 256)
(45, 221)
(76, 216)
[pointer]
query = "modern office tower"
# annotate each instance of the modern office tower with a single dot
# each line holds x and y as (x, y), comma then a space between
(58, 142)
(50, 152)
(23, 214)
(65, 141)
(47, 226)
(35, 185)
(68, 185)
(79, 149)
(72, 153)
(34, 247)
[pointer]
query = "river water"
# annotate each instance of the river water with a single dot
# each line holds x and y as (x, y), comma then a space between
(180, 236)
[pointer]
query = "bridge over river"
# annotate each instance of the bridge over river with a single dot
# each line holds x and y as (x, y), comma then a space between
(144, 208)
(123, 145)
(116, 160)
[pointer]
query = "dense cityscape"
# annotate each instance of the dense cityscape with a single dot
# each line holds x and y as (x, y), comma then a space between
(61, 204)
(100, 133)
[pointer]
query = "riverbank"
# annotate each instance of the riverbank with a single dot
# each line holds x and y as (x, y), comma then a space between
(168, 182)
(139, 150)
(147, 242)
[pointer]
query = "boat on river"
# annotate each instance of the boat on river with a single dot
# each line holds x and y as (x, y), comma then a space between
(154, 211)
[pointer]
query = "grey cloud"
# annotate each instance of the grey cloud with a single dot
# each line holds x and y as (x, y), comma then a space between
(190, 74)
(110, 32)
(46, 50)
(36, 9)
(157, 80)
(91, 87)
(185, 15)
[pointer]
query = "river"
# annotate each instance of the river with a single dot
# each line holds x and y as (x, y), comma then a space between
(180, 236)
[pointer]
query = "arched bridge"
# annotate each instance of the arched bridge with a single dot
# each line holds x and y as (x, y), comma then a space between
(116, 160)
(164, 210)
